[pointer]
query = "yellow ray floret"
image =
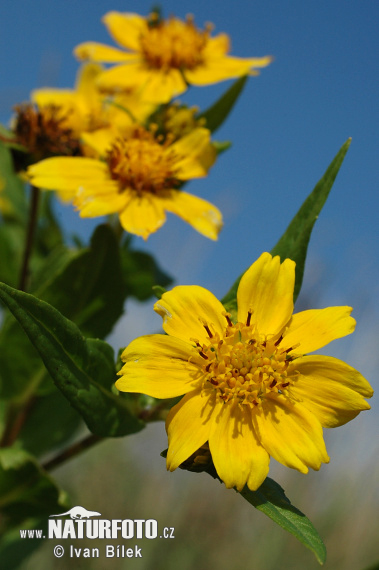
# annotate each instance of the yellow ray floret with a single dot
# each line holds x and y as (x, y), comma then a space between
(138, 178)
(164, 56)
(248, 390)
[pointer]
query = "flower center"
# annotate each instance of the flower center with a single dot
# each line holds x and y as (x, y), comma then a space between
(174, 44)
(243, 365)
(43, 132)
(143, 164)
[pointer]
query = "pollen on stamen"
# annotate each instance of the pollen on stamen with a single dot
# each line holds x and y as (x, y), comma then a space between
(249, 314)
(228, 318)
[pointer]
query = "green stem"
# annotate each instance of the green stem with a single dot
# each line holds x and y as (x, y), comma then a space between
(72, 451)
(29, 238)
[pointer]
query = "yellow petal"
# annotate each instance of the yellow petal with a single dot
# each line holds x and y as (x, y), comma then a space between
(290, 433)
(222, 68)
(124, 76)
(100, 140)
(126, 28)
(188, 425)
(217, 47)
(159, 366)
(267, 289)
(67, 173)
(329, 388)
(313, 329)
(237, 455)
(199, 213)
(102, 53)
(93, 202)
(86, 81)
(195, 154)
(143, 215)
(163, 85)
(186, 309)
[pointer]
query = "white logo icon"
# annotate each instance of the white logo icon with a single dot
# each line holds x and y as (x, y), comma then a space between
(79, 513)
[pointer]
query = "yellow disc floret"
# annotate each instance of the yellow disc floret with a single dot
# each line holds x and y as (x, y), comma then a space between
(142, 163)
(174, 44)
(243, 365)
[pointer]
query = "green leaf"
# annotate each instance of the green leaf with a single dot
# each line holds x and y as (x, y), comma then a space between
(294, 242)
(28, 496)
(218, 112)
(141, 272)
(89, 289)
(15, 207)
(12, 237)
(271, 500)
(25, 489)
(51, 421)
(83, 369)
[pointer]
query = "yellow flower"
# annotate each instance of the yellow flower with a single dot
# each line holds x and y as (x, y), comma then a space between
(164, 56)
(82, 108)
(249, 390)
(139, 179)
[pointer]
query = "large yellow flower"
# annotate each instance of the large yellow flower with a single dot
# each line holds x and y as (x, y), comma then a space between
(249, 390)
(164, 56)
(139, 179)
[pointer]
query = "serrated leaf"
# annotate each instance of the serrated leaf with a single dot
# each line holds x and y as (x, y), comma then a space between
(218, 112)
(83, 369)
(294, 242)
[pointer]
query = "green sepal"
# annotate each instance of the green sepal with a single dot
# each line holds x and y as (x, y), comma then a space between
(83, 369)
(218, 112)
(159, 291)
(294, 242)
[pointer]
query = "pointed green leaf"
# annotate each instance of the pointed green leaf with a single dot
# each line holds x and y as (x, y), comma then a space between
(271, 500)
(218, 112)
(294, 242)
(83, 369)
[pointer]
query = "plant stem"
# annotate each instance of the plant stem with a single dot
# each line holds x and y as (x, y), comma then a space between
(33, 210)
(72, 451)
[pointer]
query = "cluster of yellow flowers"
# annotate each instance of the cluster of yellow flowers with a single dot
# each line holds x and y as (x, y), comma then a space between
(112, 158)
(251, 391)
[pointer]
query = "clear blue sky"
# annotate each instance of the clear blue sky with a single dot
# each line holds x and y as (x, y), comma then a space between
(289, 123)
